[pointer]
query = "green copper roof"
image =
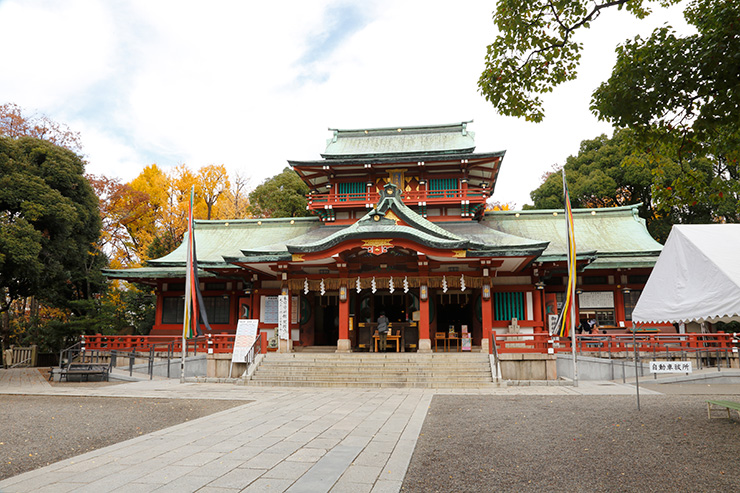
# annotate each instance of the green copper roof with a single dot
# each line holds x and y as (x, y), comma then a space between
(376, 224)
(615, 237)
(215, 240)
(145, 274)
(399, 141)
(617, 233)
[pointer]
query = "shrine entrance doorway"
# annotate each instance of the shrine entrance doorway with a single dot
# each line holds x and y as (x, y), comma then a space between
(326, 330)
(456, 309)
(400, 308)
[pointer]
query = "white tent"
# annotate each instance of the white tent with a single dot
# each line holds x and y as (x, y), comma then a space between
(696, 277)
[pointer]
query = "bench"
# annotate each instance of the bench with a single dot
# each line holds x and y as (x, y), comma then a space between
(729, 405)
(86, 369)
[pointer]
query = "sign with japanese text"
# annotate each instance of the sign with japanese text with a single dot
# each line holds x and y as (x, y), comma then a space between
(246, 334)
(283, 316)
(670, 367)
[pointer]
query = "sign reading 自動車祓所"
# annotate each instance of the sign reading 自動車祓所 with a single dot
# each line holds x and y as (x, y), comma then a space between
(670, 367)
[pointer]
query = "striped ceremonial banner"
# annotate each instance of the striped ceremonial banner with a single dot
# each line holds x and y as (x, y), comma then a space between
(189, 318)
(193, 298)
(568, 313)
(194, 305)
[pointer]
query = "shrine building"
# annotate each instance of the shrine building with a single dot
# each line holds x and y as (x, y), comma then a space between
(400, 225)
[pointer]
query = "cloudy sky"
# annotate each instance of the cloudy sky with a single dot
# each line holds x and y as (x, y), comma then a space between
(253, 84)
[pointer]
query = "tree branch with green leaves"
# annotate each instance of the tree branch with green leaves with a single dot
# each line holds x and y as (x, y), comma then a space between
(535, 50)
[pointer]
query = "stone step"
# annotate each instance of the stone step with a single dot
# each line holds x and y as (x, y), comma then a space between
(410, 370)
(376, 371)
(375, 384)
(365, 376)
(378, 363)
(387, 355)
(378, 367)
(370, 361)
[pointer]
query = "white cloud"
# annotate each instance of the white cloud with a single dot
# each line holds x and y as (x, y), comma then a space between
(253, 84)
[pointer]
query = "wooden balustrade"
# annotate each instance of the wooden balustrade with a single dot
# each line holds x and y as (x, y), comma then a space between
(338, 200)
(219, 343)
(613, 343)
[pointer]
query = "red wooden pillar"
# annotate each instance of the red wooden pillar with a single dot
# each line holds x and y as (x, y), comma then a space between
(537, 302)
(158, 311)
(487, 316)
(424, 323)
(343, 344)
(619, 306)
(425, 342)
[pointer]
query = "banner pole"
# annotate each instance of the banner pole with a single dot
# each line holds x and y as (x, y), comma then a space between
(189, 314)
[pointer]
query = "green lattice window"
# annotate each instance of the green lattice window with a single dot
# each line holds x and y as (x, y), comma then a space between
(440, 185)
(354, 188)
(508, 305)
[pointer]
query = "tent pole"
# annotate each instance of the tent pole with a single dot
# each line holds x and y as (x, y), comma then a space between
(637, 377)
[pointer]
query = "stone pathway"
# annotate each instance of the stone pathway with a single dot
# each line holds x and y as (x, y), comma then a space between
(294, 440)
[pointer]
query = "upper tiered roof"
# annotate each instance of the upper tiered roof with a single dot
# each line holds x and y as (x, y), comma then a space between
(400, 141)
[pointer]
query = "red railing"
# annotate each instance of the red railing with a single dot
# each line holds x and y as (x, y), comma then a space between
(338, 200)
(611, 343)
(214, 343)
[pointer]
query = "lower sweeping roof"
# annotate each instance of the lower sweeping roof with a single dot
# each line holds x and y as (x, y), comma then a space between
(616, 237)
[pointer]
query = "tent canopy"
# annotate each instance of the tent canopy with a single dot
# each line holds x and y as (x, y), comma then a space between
(696, 277)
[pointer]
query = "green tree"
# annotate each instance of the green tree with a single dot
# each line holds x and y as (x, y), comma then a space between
(283, 195)
(678, 93)
(611, 172)
(49, 226)
(535, 50)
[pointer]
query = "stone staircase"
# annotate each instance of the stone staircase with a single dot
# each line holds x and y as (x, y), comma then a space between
(396, 370)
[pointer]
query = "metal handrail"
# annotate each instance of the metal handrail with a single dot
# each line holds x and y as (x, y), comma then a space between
(494, 350)
(170, 351)
(252, 352)
(71, 352)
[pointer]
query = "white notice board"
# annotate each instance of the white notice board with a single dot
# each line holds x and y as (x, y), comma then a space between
(246, 334)
(283, 316)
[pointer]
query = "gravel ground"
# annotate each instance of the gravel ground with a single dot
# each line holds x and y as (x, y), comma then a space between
(575, 443)
(39, 430)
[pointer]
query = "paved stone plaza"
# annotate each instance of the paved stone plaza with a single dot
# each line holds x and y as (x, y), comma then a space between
(284, 439)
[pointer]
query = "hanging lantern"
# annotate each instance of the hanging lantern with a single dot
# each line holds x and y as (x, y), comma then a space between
(323, 288)
(357, 285)
(391, 288)
(444, 284)
(373, 285)
(406, 284)
(462, 282)
(305, 286)
(486, 291)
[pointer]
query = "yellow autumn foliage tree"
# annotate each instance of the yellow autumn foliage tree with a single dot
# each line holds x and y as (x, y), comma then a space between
(140, 233)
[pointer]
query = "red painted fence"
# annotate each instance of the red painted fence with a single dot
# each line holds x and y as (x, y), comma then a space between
(612, 343)
(505, 343)
(209, 343)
